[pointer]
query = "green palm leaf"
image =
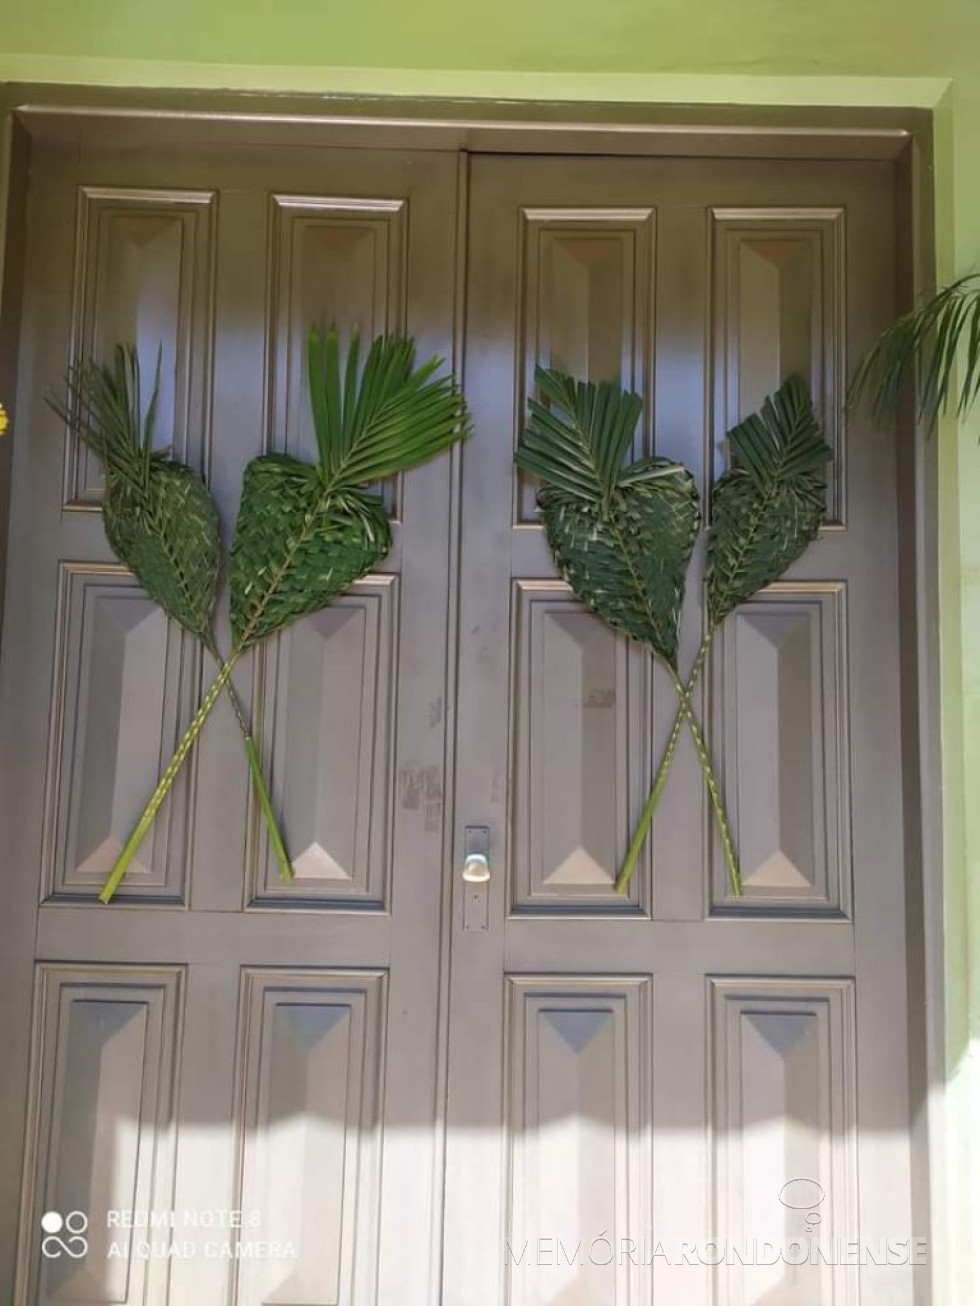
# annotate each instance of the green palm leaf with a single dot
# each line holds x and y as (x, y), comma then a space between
(627, 559)
(384, 420)
(159, 517)
(620, 536)
(297, 545)
(306, 531)
(927, 345)
(576, 442)
(766, 509)
(175, 551)
(769, 505)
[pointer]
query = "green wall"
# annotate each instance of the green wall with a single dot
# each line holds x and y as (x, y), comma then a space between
(752, 37)
(891, 52)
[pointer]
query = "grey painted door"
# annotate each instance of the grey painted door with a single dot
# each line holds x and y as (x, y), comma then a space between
(213, 1041)
(628, 1076)
(614, 1075)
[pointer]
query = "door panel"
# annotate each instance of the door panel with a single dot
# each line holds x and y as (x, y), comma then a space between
(585, 298)
(327, 686)
(577, 1135)
(784, 1111)
(99, 1132)
(143, 273)
(313, 1049)
(780, 297)
(215, 1040)
(123, 692)
(772, 1028)
(781, 723)
(577, 765)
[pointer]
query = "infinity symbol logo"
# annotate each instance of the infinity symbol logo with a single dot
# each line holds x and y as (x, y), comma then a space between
(72, 1226)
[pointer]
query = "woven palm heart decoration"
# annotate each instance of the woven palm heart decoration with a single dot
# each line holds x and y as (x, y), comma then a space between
(305, 531)
(622, 536)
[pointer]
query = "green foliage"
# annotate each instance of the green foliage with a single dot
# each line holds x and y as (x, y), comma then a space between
(768, 506)
(297, 546)
(621, 536)
(159, 516)
(160, 521)
(927, 345)
(306, 531)
(576, 441)
(384, 420)
(174, 550)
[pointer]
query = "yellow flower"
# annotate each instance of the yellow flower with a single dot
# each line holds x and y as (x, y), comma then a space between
(3, 419)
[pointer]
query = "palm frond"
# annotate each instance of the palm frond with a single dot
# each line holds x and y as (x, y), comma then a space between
(374, 422)
(769, 505)
(297, 547)
(765, 510)
(162, 523)
(159, 517)
(306, 531)
(576, 442)
(101, 409)
(926, 346)
(620, 536)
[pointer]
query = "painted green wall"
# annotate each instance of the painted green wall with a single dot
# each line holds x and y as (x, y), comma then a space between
(904, 52)
(858, 37)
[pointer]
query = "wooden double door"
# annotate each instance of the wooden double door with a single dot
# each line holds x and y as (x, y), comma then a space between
(382, 1084)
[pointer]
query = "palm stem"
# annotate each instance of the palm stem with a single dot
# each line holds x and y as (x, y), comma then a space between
(714, 792)
(167, 779)
(685, 712)
(642, 827)
(221, 681)
(255, 767)
(261, 788)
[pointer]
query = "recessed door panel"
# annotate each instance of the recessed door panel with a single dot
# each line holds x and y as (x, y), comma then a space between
(578, 1135)
(329, 695)
(780, 303)
(784, 1104)
(585, 298)
(99, 1136)
(310, 1129)
(782, 682)
(125, 679)
(144, 275)
(580, 702)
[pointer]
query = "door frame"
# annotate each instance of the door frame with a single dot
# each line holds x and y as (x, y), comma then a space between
(71, 114)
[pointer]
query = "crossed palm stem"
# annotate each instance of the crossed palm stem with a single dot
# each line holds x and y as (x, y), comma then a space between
(685, 713)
